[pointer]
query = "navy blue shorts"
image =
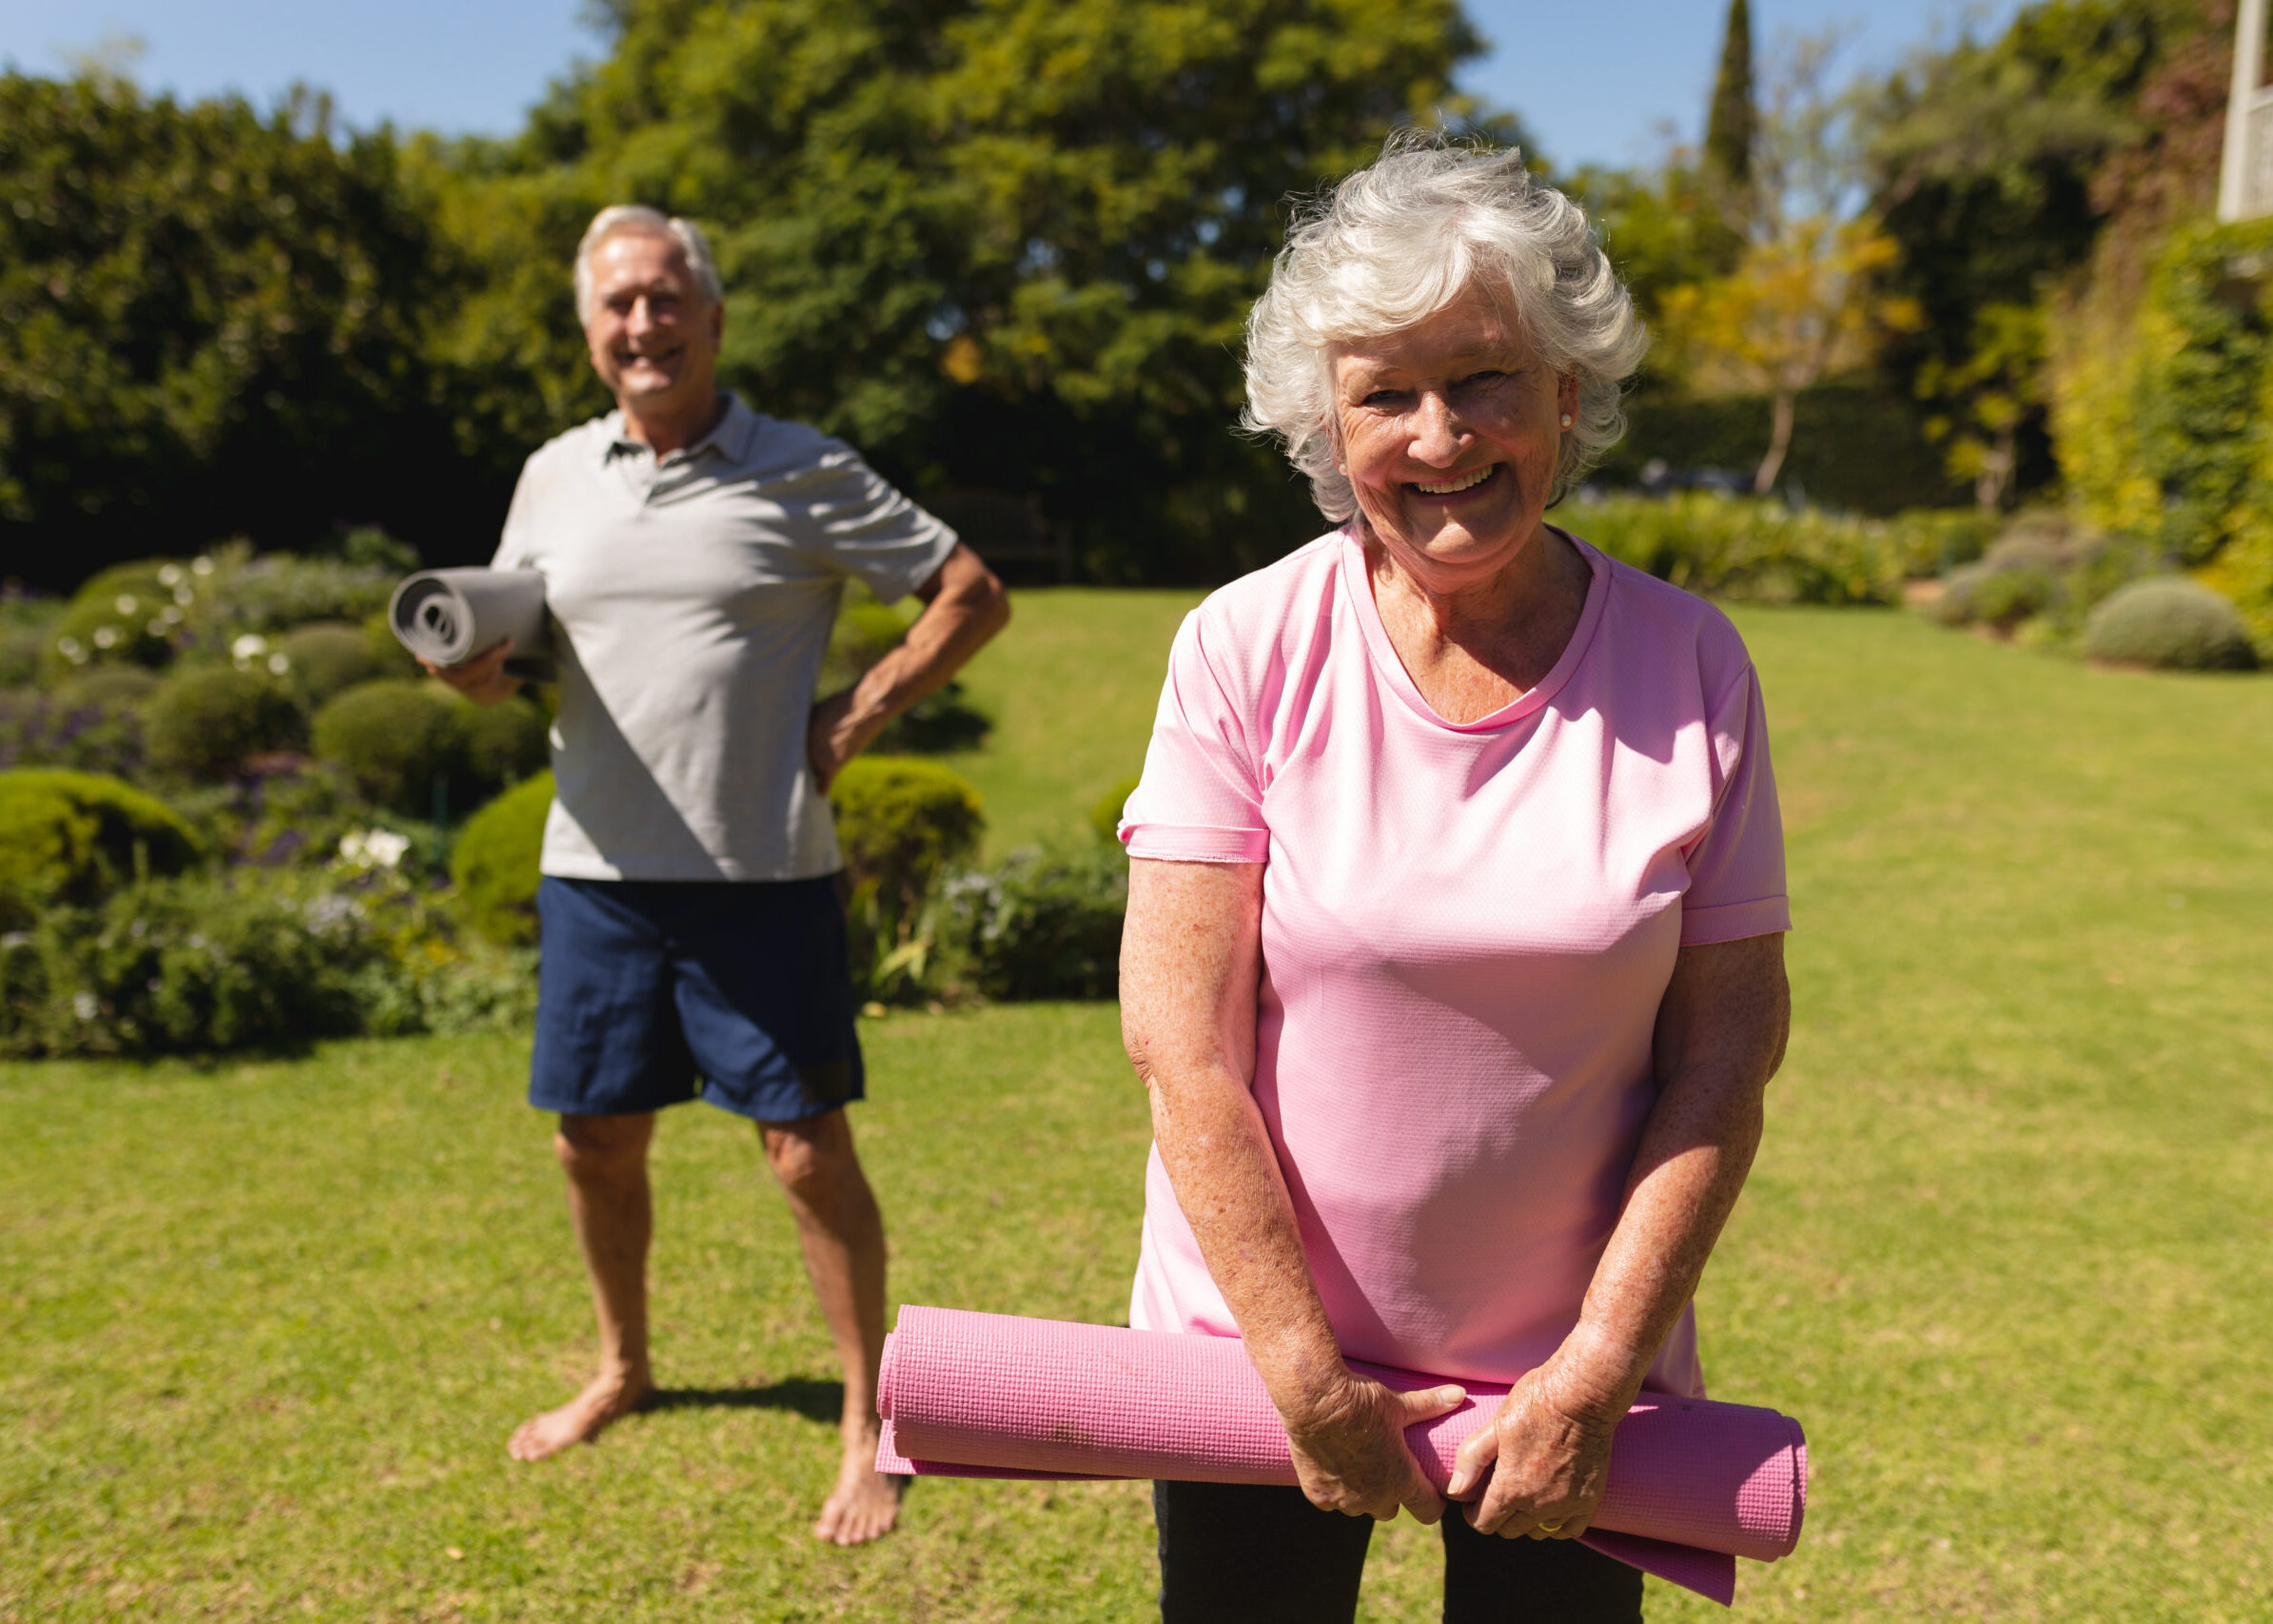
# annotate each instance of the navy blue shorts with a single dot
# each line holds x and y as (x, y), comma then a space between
(646, 988)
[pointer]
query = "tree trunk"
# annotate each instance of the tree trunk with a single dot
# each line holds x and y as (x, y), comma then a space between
(1779, 441)
(1998, 466)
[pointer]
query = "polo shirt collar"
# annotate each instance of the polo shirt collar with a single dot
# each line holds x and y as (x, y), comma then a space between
(730, 437)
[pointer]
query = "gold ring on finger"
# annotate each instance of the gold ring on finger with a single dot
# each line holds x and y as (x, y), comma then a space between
(1550, 1528)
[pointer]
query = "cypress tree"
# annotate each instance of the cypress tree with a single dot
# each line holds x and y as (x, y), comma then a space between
(1733, 122)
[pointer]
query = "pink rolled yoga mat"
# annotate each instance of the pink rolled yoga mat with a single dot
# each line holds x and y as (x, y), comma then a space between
(1694, 1484)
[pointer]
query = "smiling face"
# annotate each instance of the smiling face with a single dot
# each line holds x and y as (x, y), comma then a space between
(1449, 432)
(653, 335)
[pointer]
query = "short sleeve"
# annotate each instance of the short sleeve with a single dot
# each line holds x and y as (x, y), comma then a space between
(850, 516)
(1201, 798)
(1736, 864)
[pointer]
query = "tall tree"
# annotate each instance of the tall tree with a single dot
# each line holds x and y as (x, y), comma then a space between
(1805, 299)
(1000, 244)
(1732, 125)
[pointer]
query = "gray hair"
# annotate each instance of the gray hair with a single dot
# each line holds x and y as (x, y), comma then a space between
(648, 222)
(1396, 242)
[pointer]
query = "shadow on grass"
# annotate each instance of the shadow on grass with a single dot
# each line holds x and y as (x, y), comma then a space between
(814, 1400)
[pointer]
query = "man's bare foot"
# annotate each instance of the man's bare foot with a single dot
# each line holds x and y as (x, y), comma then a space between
(582, 1419)
(866, 1503)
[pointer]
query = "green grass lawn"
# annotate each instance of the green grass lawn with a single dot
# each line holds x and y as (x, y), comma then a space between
(2006, 1252)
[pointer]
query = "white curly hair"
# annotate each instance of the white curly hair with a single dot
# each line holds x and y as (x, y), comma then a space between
(1406, 237)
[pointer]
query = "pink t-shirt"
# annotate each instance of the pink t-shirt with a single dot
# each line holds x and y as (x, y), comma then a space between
(1466, 933)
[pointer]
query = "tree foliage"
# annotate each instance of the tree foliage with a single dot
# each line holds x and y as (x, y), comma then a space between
(211, 319)
(1732, 123)
(1000, 245)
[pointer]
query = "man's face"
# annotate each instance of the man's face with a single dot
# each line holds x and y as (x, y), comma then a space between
(654, 337)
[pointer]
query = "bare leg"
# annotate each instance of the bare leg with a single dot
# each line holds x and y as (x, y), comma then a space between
(606, 1161)
(843, 1235)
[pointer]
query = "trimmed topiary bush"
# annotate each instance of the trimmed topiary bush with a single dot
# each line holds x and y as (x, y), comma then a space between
(328, 657)
(72, 837)
(207, 721)
(2170, 623)
(395, 739)
(126, 614)
(494, 865)
(1042, 925)
(505, 743)
(899, 823)
(106, 686)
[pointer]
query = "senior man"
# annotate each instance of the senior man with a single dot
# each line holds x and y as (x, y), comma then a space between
(694, 552)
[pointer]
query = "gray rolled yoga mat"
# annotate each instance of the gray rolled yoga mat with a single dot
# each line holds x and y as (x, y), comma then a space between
(447, 617)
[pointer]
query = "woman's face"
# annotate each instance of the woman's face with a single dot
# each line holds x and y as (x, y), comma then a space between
(1449, 432)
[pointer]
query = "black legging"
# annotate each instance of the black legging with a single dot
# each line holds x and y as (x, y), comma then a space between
(1236, 1553)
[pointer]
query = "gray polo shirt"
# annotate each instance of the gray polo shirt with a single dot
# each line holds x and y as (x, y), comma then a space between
(692, 598)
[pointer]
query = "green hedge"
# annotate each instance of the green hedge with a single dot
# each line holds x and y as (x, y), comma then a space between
(1744, 549)
(494, 865)
(1857, 444)
(2170, 623)
(70, 837)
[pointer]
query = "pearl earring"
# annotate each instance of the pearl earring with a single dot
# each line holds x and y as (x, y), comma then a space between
(1566, 420)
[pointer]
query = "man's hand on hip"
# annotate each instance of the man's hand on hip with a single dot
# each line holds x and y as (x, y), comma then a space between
(964, 605)
(482, 678)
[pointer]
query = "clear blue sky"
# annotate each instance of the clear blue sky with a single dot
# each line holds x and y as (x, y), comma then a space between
(1595, 80)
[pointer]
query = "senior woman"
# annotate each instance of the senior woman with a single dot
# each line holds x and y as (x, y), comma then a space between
(1453, 961)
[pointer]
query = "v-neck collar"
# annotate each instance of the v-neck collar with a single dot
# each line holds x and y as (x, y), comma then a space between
(1357, 581)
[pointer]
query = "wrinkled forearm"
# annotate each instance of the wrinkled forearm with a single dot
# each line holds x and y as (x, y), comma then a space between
(1219, 1157)
(970, 610)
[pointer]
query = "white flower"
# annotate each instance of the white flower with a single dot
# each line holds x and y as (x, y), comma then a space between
(125, 603)
(172, 615)
(249, 647)
(184, 595)
(85, 1007)
(373, 848)
(158, 628)
(169, 575)
(201, 565)
(278, 664)
(105, 636)
(70, 649)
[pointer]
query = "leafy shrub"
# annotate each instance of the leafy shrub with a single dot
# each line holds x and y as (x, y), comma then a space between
(1104, 817)
(2172, 624)
(126, 614)
(279, 590)
(1934, 541)
(49, 730)
(70, 837)
(1042, 925)
(394, 660)
(107, 687)
(327, 658)
(504, 744)
(1996, 596)
(494, 865)
(395, 739)
(1744, 550)
(185, 964)
(205, 721)
(22, 652)
(899, 823)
